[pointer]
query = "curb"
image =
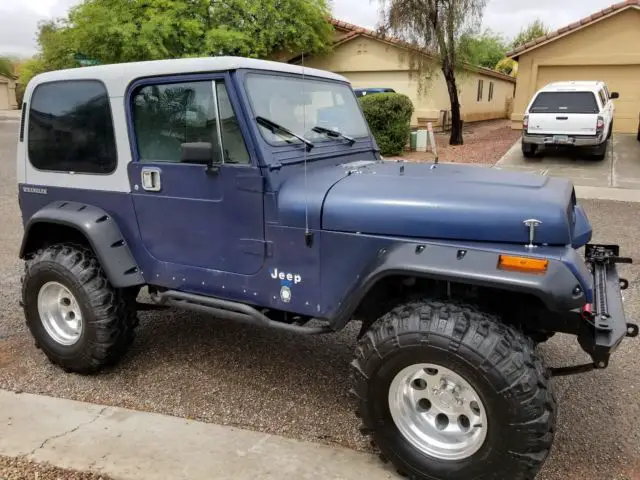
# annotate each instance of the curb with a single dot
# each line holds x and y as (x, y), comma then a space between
(607, 193)
(515, 146)
(131, 445)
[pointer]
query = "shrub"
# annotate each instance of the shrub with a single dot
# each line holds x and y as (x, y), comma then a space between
(389, 117)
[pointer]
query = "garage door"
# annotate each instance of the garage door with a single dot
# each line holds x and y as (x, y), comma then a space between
(624, 79)
(4, 96)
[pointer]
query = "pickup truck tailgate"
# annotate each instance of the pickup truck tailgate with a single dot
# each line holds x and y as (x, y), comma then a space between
(562, 124)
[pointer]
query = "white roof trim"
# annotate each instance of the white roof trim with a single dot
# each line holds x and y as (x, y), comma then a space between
(117, 76)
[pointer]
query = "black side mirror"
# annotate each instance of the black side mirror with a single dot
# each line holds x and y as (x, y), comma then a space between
(614, 95)
(201, 153)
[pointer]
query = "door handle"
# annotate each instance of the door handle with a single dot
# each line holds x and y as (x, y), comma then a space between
(562, 118)
(151, 179)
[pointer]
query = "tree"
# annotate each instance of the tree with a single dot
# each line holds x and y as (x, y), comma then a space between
(485, 49)
(7, 65)
(507, 66)
(438, 27)
(535, 29)
(114, 31)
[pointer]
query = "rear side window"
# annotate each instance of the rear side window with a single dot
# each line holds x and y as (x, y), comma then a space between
(71, 129)
(603, 97)
(565, 102)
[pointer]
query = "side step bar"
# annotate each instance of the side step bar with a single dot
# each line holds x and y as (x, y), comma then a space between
(230, 311)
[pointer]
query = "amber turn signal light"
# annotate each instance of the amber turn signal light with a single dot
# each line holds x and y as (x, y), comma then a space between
(523, 264)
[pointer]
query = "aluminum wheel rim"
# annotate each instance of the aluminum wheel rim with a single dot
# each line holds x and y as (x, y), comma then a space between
(60, 313)
(438, 411)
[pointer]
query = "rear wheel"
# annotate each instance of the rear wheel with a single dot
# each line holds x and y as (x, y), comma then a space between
(447, 391)
(600, 152)
(529, 150)
(75, 315)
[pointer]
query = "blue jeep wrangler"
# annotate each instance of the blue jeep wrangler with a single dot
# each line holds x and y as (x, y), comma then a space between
(254, 191)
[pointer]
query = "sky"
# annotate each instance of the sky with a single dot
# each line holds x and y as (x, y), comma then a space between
(19, 18)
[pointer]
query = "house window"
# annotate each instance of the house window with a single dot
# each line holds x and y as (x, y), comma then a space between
(490, 91)
(480, 89)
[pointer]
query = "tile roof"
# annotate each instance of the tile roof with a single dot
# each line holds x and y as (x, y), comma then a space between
(616, 8)
(356, 30)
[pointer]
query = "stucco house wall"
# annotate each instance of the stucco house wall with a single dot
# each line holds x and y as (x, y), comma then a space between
(377, 62)
(7, 93)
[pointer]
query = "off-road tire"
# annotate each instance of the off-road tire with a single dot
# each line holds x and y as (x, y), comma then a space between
(529, 150)
(109, 316)
(497, 360)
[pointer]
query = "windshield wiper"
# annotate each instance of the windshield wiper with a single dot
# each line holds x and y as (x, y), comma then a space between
(333, 134)
(275, 128)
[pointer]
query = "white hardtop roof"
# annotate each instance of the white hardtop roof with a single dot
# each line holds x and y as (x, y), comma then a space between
(578, 86)
(119, 75)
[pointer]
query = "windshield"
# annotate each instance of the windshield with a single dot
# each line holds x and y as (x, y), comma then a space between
(300, 105)
(565, 102)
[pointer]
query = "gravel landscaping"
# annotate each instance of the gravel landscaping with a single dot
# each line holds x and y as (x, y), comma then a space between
(197, 367)
(484, 143)
(21, 469)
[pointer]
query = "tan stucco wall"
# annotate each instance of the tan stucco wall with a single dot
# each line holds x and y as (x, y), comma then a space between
(368, 62)
(606, 50)
(8, 92)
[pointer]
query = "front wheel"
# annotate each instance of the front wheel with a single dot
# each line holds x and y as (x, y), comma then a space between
(447, 391)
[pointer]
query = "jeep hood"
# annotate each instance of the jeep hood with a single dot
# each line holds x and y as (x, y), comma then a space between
(454, 202)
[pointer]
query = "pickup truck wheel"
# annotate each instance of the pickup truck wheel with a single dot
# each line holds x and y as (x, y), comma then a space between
(78, 319)
(447, 391)
(600, 152)
(529, 150)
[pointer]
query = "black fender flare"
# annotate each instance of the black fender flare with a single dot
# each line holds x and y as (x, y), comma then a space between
(102, 233)
(468, 265)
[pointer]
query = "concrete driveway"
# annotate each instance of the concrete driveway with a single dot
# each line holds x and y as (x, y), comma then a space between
(620, 169)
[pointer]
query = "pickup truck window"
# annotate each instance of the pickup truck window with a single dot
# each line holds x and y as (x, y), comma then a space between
(603, 97)
(565, 102)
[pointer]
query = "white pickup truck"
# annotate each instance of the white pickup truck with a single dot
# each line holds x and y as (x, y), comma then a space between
(570, 114)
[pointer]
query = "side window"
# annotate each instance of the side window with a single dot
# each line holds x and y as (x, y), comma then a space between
(490, 91)
(603, 98)
(70, 128)
(480, 89)
(235, 150)
(166, 116)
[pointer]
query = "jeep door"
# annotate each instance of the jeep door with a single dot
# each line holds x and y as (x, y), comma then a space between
(188, 214)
